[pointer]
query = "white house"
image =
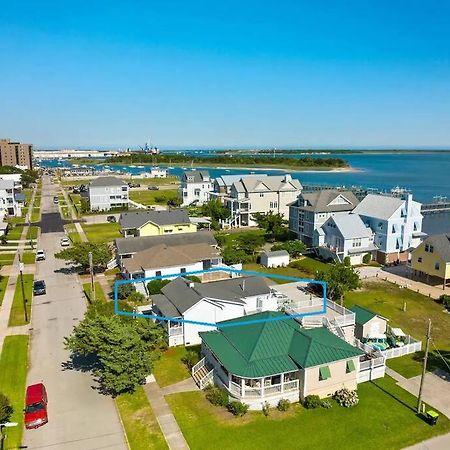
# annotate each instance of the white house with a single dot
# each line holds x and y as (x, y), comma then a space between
(344, 235)
(312, 209)
(195, 187)
(16, 177)
(260, 194)
(278, 258)
(9, 204)
(396, 223)
(155, 172)
(107, 193)
(209, 303)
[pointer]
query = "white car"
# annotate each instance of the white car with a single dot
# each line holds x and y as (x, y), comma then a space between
(65, 242)
(40, 255)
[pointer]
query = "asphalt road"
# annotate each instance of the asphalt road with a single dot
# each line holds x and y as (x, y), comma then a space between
(79, 416)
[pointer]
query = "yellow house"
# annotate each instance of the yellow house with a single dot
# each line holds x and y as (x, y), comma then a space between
(431, 259)
(156, 223)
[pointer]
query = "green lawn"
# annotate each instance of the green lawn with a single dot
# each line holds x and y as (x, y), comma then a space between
(72, 233)
(32, 232)
(3, 285)
(154, 197)
(13, 374)
(169, 369)
(139, 421)
(387, 299)
(36, 215)
(14, 233)
(384, 419)
(102, 232)
(16, 316)
(99, 294)
(29, 257)
(6, 259)
(225, 238)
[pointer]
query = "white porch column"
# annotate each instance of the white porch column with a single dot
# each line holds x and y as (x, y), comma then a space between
(262, 387)
(282, 382)
(242, 387)
(229, 381)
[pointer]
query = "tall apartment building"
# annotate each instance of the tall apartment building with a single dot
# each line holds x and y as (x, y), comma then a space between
(16, 154)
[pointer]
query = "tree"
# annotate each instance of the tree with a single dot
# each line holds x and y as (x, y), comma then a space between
(175, 202)
(84, 205)
(6, 409)
(232, 255)
(155, 286)
(340, 279)
(295, 248)
(124, 290)
(78, 254)
(216, 210)
(136, 297)
(249, 243)
(273, 224)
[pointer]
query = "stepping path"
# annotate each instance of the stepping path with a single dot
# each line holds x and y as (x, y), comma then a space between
(187, 385)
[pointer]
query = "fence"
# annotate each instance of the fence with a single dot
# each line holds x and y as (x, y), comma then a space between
(412, 347)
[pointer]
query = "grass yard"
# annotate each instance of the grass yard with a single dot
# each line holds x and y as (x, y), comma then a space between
(102, 232)
(14, 233)
(29, 257)
(154, 197)
(384, 418)
(3, 285)
(139, 421)
(13, 374)
(387, 299)
(33, 232)
(35, 215)
(99, 294)
(6, 259)
(16, 316)
(72, 233)
(225, 238)
(169, 369)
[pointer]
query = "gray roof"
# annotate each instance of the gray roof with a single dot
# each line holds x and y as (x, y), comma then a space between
(228, 180)
(107, 181)
(327, 200)
(378, 206)
(266, 183)
(441, 244)
(199, 176)
(182, 294)
(165, 306)
(276, 253)
(6, 184)
(136, 244)
(350, 226)
(136, 219)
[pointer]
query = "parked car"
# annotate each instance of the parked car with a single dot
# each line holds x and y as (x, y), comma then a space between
(65, 242)
(35, 406)
(153, 188)
(111, 219)
(40, 255)
(55, 200)
(39, 287)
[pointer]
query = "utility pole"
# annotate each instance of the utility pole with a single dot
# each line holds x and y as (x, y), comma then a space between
(91, 270)
(24, 300)
(424, 369)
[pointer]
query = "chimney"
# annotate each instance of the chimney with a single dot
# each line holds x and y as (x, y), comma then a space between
(287, 178)
(408, 203)
(191, 284)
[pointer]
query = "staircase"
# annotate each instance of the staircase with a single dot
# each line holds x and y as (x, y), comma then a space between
(202, 374)
(335, 329)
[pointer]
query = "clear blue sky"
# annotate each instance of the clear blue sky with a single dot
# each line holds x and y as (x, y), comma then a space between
(230, 73)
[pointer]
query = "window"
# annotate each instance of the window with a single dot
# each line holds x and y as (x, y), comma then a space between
(158, 273)
(416, 227)
(324, 373)
(380, 225)
(124, 188)
(419, 259)
(427, 248)
(394, 230)
(183, 270)
(436, 266)
(261, 194)
(431, 249)
(350, 366)
(356, 242)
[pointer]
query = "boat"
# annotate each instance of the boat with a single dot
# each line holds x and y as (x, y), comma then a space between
(140, 167)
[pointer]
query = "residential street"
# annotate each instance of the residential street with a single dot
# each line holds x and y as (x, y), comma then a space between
(79, 416)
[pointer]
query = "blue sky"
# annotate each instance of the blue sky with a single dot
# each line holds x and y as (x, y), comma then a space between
(226, 74)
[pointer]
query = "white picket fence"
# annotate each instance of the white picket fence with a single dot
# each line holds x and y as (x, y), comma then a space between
(395, 352)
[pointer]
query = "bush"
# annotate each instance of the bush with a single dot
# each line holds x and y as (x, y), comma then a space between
(326, 404)
(6, 409)
(136, 297)
(347, 261)
(284, 404)
(191, 358)
(237, 408)
(193, 278)
(312, 401)
(266, 408)
(346, 398)
(155, 286)
(125, 290)
(445, 300)
(367, 258)
(217, 396)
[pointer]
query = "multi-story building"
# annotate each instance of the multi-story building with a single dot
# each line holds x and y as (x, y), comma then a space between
(9, 203)
(16, 154)
(261, 194)
(396, 223)
(107, 193)
(196, 186)
(312, 209)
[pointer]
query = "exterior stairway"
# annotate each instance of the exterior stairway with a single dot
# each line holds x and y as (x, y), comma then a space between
(200, 374)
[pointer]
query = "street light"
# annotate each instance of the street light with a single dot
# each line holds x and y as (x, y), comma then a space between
(3, 436)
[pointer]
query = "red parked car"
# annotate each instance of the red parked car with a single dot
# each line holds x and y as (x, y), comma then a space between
(35, 406)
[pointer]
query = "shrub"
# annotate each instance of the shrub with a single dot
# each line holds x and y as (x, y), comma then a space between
(266, 408)
(347, 261)
(191, 358)
(367, 258)
(312, 401)
(346, 398)
(155, 286)
(237, 408)
(326, 404)
(445, 300)
(193, 278)
(136, 297)
(217, 396)
(6, 409)
(284, 404)
(125, 290)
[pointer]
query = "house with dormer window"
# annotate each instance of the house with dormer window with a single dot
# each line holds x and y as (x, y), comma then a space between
(195, 188)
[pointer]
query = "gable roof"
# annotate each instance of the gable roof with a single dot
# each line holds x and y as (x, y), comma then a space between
(228, 180)
(107, 181)
(276, 253)
(325, 201)
(136, 244)
(136, 219)
(362, 315)
(199, 176)
(349, 225)
(274, 346)
(267, 183)
(441, 245)
(378, 206)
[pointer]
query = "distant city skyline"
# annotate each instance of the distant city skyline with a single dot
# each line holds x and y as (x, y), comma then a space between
(290, 74)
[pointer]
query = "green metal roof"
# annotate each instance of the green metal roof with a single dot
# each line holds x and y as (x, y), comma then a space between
(362, 315)
(275, 346)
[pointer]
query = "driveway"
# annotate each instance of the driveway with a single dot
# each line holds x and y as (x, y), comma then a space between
(79, 417)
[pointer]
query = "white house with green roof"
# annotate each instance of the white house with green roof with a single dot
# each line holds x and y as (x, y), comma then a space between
(275, 358)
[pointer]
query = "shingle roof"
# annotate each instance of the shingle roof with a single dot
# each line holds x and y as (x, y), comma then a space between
(198, 176)
(267, 183)
(378, 206)
(276, 253)
(136, 219)
(274, 346)
(441, 245)
(228, 180)
(136, 244)
(107, 181)
(362, 315)
(349, 225)
(327, 200)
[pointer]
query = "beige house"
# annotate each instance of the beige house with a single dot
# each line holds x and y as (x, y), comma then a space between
(368, 325)
(276, 359)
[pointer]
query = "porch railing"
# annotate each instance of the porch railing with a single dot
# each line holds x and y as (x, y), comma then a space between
(395, 352)
(175, 331)
(256, 392)
(207, 379)
(198, 366)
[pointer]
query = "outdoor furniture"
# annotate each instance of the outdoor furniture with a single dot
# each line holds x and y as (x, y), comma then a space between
(432, 417)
